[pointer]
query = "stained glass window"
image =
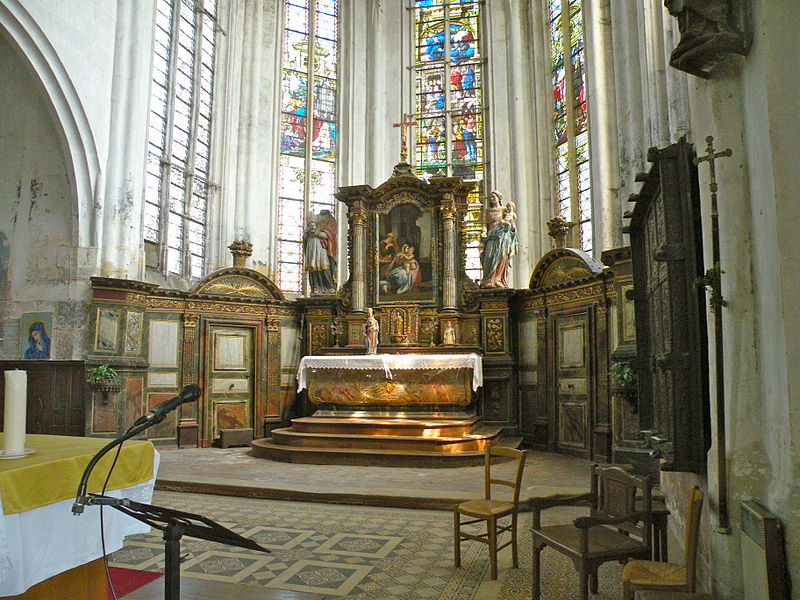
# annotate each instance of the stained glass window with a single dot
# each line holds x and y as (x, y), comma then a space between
(308, 154)
(177, 182)
(573, 192)
(449, 64)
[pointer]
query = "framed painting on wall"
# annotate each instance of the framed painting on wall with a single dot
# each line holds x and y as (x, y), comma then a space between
(36, 335)
(107, 326)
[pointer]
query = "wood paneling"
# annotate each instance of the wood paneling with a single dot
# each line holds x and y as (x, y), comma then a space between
(57, 395)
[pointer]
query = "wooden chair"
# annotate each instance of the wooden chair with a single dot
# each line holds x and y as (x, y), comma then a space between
(664, 576)
(490, 510)
(614, 530)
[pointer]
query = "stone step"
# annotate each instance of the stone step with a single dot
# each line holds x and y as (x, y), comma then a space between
(377, 457)
(474, 441)
(386, 426)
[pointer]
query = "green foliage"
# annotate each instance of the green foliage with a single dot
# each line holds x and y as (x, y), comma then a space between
(102, 373)
(712, 281)
(623, 375)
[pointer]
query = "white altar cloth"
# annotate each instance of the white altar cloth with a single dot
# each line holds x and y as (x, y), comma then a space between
(387, 362)
(45, 541)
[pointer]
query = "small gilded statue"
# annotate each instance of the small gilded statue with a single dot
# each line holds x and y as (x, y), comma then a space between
(449, 334)
(371, 330)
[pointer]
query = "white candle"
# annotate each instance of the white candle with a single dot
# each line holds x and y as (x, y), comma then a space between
(14, 412)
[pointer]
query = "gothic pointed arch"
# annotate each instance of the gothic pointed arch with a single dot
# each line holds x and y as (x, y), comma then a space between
(70, 121)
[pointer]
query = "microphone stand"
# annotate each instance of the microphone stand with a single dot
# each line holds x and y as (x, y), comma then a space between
(173, 523)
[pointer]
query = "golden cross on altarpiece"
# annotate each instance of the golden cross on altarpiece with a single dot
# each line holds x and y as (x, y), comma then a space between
(404, 125)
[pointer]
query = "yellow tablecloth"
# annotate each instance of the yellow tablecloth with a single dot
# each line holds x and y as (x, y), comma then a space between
(53, 472)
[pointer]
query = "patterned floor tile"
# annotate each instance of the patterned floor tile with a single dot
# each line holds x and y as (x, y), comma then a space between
(333, 579)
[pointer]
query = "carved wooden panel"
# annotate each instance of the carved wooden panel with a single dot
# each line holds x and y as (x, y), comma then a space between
(57, 394)
(666, 249)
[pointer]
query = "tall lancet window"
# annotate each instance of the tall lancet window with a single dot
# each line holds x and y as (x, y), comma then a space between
(308, 153)
(177, 184)
(449, 66)
(570, 119)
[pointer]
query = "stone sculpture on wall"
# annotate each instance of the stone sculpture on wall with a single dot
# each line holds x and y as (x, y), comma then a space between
(708, 34)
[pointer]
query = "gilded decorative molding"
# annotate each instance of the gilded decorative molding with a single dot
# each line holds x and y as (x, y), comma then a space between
(234, 286)
(165, 303)
(136, 298)
(273, 324)
(225, 307)
(495, 334)
(190, 320)
(580, 293)
(494, 305)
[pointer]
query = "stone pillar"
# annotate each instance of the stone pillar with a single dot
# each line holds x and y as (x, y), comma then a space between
(449, 214)
(122, 181)
(358, 221)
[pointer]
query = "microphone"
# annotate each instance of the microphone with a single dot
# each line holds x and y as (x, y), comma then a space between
(188, 394)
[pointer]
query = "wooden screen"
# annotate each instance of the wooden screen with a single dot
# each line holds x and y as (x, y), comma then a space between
(666, 248)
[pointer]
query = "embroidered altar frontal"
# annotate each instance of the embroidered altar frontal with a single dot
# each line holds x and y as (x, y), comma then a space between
(391, 382)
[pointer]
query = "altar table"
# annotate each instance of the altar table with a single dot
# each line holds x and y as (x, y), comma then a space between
(391, 381)
(39, 535)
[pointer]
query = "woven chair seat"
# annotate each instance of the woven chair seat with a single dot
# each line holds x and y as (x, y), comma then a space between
(485, 508)
(651, 573)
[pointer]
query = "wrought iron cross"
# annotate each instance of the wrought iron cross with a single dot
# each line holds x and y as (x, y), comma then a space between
(713, 278)
(404, 125)
(710, 158)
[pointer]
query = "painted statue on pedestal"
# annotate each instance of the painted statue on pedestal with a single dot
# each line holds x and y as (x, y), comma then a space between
(319, 247)
(500, 243)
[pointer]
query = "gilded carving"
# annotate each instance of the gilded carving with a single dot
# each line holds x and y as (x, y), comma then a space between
(273, 324)
(469, 333)
(495, 334)
(234, 286)
(319, 337)
(563, 270)
(190, 320)
(435, 390)
(165, 303)
(133, 297)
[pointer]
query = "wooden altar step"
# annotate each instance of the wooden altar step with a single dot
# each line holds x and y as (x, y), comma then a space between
(380, 441)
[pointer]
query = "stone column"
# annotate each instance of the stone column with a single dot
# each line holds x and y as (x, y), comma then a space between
(449, 214)
(358, 221)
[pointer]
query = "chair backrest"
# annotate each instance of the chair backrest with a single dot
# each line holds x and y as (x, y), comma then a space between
(694, 507)
(515, 484)
(615, 491)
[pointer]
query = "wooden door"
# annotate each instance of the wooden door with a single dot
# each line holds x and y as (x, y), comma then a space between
(571, 383)
(229, 380)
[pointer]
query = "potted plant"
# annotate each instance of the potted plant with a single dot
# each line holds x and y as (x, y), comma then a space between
(103, 378)
(623, 379)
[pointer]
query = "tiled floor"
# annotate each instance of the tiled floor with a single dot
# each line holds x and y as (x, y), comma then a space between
(233, 471)
(371, 552)
(354, 552)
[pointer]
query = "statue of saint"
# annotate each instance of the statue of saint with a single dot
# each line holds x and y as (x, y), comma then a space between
(371, 330)
(449, 334)
(319, 248)
(500, 243)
